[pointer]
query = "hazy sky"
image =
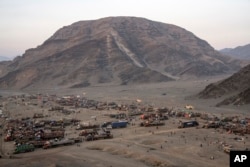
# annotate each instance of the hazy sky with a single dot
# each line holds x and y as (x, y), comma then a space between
(26, 24)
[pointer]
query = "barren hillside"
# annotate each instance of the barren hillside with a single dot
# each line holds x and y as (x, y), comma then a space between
(240, 52)
(116, 50)
(237, 87)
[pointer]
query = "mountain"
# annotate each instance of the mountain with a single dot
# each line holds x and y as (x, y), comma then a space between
(240, 52)
(235, 89)
(115, 50)
(3, 58)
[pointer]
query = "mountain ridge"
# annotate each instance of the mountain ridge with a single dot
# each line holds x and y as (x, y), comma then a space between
(240, 52)
(121, 50)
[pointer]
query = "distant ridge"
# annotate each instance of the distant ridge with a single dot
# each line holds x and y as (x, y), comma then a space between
(3, 58)
(240, 52)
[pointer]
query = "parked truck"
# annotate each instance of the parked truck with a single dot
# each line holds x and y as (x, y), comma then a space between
(52, 135)
(211, 125)
(56, 143)
(119, 124)
(37, 143)
(87, 132)
(106, 125)
(188, 124)
(152, 123)
(24, 148)
(87, 125)
(101, 134)
(8, 137)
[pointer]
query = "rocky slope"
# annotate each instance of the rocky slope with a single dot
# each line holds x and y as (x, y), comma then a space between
(240, 52)
(116, 50)
(237, 87)
(239, 99)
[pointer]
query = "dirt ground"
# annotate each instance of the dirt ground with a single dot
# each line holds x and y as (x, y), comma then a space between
(133, 146)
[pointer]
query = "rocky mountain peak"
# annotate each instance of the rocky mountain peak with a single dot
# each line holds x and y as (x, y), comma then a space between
(116, 50)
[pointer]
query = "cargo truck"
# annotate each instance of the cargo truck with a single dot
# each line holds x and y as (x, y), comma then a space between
(99, 135)
(24, 148)
(52, 135)
(119, 124)
(56, 143)
(152, 123)
(86, 132)
(188, 124)
(37, 143)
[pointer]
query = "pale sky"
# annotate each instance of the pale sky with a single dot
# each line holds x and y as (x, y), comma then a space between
(25, 24)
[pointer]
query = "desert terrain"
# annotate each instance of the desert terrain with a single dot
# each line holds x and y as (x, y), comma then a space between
(133, 146)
